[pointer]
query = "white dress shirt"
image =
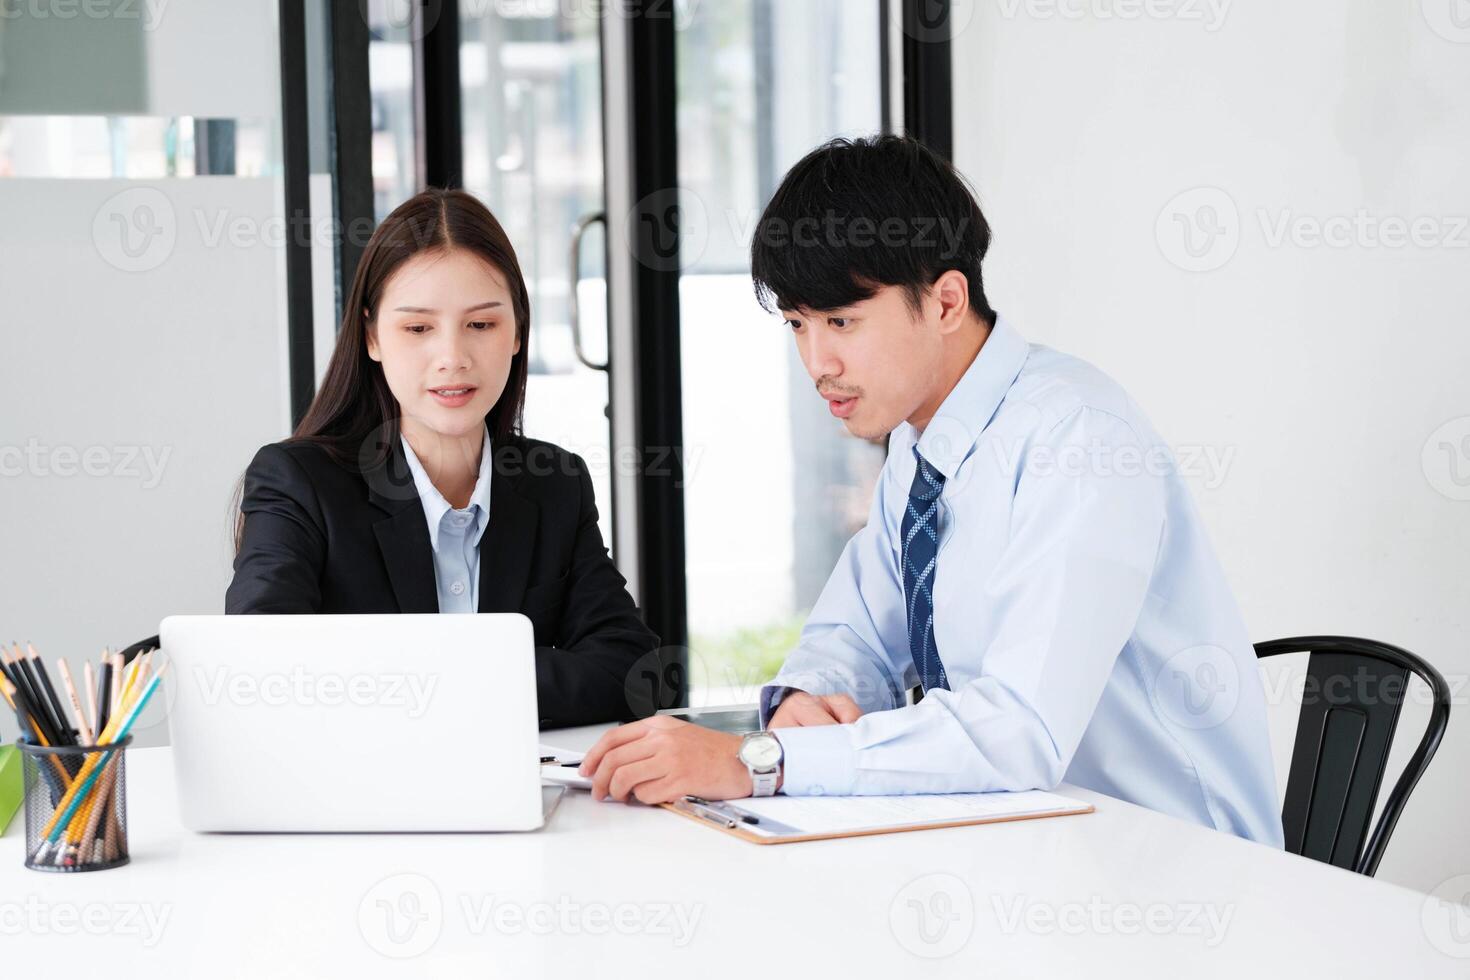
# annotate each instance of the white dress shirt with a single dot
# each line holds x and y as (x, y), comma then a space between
(1082, 618)
(454, 535)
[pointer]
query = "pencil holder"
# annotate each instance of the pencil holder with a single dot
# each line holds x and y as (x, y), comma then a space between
(76, 806)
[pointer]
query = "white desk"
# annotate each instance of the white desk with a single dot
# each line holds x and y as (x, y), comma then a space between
(1121, 892)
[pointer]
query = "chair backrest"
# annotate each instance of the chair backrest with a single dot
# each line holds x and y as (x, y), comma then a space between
(142, 646)
(1350, 708)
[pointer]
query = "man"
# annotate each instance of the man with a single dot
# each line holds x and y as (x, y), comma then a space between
(1032, 560)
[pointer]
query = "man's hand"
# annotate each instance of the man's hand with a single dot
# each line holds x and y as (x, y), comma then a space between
(660, 759)
(799, 709)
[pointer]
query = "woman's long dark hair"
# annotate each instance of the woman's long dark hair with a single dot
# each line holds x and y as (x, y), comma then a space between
(354, 416)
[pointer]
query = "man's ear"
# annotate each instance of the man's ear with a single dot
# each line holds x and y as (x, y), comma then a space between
(372, 338)
(952, 291)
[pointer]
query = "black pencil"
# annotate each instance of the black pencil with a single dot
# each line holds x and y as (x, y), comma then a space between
(30, 729)
(25, 685)
(104, 691)
(58, 713)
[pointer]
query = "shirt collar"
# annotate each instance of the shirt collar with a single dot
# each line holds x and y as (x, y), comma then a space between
(435, 506)
(968, 409)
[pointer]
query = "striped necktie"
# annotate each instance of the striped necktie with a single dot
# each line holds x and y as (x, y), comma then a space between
(920, 554)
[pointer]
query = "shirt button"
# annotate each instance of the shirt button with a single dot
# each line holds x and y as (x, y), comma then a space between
(461, 519)
(457, 588)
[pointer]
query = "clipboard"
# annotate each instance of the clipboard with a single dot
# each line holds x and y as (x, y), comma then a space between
(774, 820)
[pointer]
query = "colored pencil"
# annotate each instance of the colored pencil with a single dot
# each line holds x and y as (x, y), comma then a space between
(84, 730)
(58, 713)
(117, 730)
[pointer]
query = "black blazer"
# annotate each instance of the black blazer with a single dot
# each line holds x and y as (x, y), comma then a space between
(320, 537)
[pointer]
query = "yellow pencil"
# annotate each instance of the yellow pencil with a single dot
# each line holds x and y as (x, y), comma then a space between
(131, 691)
(117, 669)
(10, 690)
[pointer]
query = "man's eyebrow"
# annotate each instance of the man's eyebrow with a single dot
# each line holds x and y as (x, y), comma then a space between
(424, 309)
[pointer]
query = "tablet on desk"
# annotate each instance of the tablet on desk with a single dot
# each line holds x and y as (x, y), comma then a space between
(737, 719)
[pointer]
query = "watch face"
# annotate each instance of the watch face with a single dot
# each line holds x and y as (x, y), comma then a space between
(761, 752)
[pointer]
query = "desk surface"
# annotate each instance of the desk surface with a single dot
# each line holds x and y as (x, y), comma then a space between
(611, 889)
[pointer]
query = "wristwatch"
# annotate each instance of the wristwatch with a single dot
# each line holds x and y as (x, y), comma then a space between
(762, 754)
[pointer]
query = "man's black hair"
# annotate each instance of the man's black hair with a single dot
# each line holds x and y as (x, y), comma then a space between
(858, 214)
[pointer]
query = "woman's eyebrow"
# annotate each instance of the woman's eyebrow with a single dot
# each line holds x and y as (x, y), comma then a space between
(424, 309)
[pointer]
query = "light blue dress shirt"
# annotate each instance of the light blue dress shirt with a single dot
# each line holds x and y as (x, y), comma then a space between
(1084, 622)
(454, 535)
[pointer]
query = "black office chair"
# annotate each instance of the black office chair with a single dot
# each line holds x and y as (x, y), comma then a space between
(1350, 708)
(142, 646)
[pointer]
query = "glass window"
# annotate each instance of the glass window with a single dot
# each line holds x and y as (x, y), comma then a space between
(391, 80)
(774, 486)
(531, 80)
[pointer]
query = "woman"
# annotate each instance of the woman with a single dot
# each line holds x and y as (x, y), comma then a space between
(408, 487)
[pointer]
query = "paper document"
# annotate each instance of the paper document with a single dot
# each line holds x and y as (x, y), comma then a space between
(850, 814)
(559, 773)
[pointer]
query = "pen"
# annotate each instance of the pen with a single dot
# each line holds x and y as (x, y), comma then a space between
(104, 691)
(701, 808)
(724, 809)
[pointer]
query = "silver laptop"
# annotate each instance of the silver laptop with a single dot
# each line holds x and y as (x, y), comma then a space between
(354, 723)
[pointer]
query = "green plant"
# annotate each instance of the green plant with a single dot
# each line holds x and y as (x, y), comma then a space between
(744, 658)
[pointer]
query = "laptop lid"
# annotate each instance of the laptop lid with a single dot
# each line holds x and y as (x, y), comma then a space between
(415, 722)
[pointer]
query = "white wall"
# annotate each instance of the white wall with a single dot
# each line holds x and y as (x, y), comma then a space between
(133, 392)
(1319, 375)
